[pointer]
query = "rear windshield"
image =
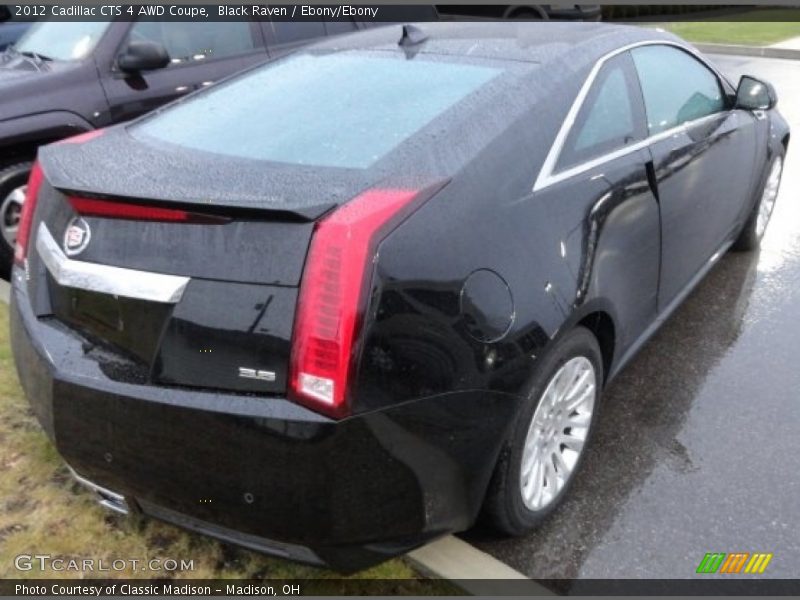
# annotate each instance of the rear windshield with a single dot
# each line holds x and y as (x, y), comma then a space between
(343, 110)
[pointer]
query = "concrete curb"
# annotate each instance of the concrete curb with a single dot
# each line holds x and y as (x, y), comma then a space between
(470, 569)
(5, 291)
(759, 51)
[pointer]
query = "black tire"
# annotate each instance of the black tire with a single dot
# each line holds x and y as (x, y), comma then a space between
(525, 15)
(504, 508)
(749, 238)
(11, 177)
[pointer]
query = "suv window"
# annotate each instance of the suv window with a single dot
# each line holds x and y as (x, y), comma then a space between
(62, 40)
(676, 87)
(609, 118)
(194, 41)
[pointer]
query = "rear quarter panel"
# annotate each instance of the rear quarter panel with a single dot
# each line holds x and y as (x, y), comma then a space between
(588, 244)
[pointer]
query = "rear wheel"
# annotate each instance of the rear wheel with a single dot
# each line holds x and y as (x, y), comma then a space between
(13, 182)
(547, 446)
(753, 230)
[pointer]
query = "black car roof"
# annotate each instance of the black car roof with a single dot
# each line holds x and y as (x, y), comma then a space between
(580, 44)
(520, 111)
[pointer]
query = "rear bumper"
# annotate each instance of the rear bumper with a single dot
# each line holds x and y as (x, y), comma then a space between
(263, 472)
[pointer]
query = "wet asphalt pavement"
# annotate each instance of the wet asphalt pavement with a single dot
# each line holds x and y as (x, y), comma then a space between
(698, 442)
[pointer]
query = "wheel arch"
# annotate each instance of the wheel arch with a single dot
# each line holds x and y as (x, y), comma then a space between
(601, 325)
(24, 135)
(599, 316)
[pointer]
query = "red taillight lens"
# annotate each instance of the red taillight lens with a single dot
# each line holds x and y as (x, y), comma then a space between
(329, 308)
(26, 218)
(92, 207)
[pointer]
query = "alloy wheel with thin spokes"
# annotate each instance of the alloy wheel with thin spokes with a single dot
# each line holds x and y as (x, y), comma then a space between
(558, 433)
(768, 197)
(10, 211)
(546, 445)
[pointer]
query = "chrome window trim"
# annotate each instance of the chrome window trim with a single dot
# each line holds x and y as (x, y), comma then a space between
(128, 283)
(547, 175)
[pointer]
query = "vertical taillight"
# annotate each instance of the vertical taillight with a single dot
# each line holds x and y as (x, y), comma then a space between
(332, 296)
(26, 218)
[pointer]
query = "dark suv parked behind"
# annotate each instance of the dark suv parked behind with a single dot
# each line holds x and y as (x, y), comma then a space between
(65, 78)
(11, 28)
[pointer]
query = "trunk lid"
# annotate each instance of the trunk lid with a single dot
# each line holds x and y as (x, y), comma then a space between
(230, 325)
(226, 319)
(131, 167)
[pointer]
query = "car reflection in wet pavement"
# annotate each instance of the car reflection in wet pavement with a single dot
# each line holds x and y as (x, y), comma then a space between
(697, 447)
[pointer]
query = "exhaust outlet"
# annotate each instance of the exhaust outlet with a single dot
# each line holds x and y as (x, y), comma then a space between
(105, 497)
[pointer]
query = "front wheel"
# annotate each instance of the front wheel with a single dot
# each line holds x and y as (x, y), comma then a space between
(753, 230)
(540, 460)
(13, 182)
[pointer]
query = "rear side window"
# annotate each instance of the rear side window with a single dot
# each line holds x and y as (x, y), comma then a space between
(610, 117)
(676, 87)
(345, 110)
(196, 41)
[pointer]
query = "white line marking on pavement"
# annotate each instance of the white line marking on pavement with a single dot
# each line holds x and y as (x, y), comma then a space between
(471, 569)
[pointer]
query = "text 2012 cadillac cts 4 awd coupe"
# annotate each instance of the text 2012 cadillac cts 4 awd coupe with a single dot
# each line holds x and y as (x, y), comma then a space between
(335, 306)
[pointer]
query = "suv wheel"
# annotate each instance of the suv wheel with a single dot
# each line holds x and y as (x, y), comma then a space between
(13, 182)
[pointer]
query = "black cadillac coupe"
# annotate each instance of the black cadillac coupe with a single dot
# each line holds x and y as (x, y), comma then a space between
(364, 293)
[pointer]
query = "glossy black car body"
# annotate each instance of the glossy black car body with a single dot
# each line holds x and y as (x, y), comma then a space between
(47, 99)
(504, 253)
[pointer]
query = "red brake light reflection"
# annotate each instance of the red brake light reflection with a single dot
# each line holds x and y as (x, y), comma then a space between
(82, 137)
(111, 209)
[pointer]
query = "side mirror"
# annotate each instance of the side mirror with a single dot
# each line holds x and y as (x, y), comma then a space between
(754, 94)
(143, 56)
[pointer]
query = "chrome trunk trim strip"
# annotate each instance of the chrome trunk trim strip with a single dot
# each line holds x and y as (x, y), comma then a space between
(128, 283)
